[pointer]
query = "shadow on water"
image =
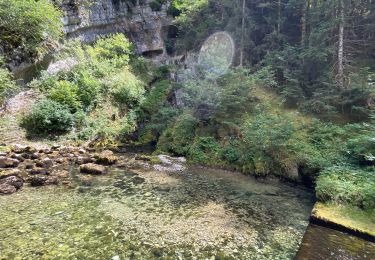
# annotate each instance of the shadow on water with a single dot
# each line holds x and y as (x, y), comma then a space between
(321, 243)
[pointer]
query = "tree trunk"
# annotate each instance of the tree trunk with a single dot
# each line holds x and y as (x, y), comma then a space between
(242, 32)
(279, 17)
(304, 21)
(340, 56)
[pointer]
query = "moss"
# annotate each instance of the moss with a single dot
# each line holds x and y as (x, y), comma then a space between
(351, 218)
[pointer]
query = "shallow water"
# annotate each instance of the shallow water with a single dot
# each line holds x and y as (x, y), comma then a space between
(146, 215)
(322, 243)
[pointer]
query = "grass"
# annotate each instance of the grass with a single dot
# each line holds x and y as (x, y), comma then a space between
(347, 216)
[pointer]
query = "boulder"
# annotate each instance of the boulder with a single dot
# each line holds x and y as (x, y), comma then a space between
(8, 162)
(106, 158)
(7, 189)
(91, 168)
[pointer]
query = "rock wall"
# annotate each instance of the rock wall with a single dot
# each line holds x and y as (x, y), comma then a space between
(90, 19)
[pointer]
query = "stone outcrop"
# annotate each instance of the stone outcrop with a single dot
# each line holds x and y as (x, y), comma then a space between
(88, 20)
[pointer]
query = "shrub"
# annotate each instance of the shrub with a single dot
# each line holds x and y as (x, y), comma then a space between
(116, 48)
(47, 117)
(65, 93)
(30, 25)
(178, 137)
(88, 90)
(7, 85)
(126, 90)
(347, 185)
(204, 151)
(156, 97)
(268, 140)
(361, 146)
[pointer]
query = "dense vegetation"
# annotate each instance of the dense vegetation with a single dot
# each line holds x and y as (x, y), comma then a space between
(298, 105)
(28, 28)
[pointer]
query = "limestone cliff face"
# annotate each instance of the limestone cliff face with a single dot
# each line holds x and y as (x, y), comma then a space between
(89, 19)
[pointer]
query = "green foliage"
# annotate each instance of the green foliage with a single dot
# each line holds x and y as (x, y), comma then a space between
(65, 93)
(7, 85)
(204, 151)
(116, 49)
(347, 185)
(47, 117)
(29, 25)
(268, 139)
(88, 90)
(178, 138)
(126, 90)
(156, 97)
(361, 145)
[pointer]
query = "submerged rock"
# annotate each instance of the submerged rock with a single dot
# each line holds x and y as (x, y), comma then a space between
(91, 168)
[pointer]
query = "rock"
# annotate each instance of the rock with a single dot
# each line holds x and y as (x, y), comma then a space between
(83, 160)
(7, 189)
(46, 151)
(38, 180)
(82, 151)
(35, 156)
(45, 163)
(52, 180)
(8, 162)
(14, 181)
(293, 173)
(61, 174)
(17, 148)
(55, 147)
(91, 168)
(39, 171)
(106, 158)
(2, 154)
(17, 157)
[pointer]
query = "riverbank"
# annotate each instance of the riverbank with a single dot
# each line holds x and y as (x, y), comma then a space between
(346, 219)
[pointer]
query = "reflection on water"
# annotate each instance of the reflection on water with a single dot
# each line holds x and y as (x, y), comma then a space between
(322, 243)
(145, 215)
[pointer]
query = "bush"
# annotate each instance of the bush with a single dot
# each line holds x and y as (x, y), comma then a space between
(361, 146)
(7, 85)
(65, 93)
(47, 117)
(205, 151)
(116, 49)
(178, 137)
(30, 25)
(126, 90)
(268, 140)
(156, 97)
(347, 185)
(88, 90)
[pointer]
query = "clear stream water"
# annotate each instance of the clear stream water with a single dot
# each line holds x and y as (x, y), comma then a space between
(196, 214)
